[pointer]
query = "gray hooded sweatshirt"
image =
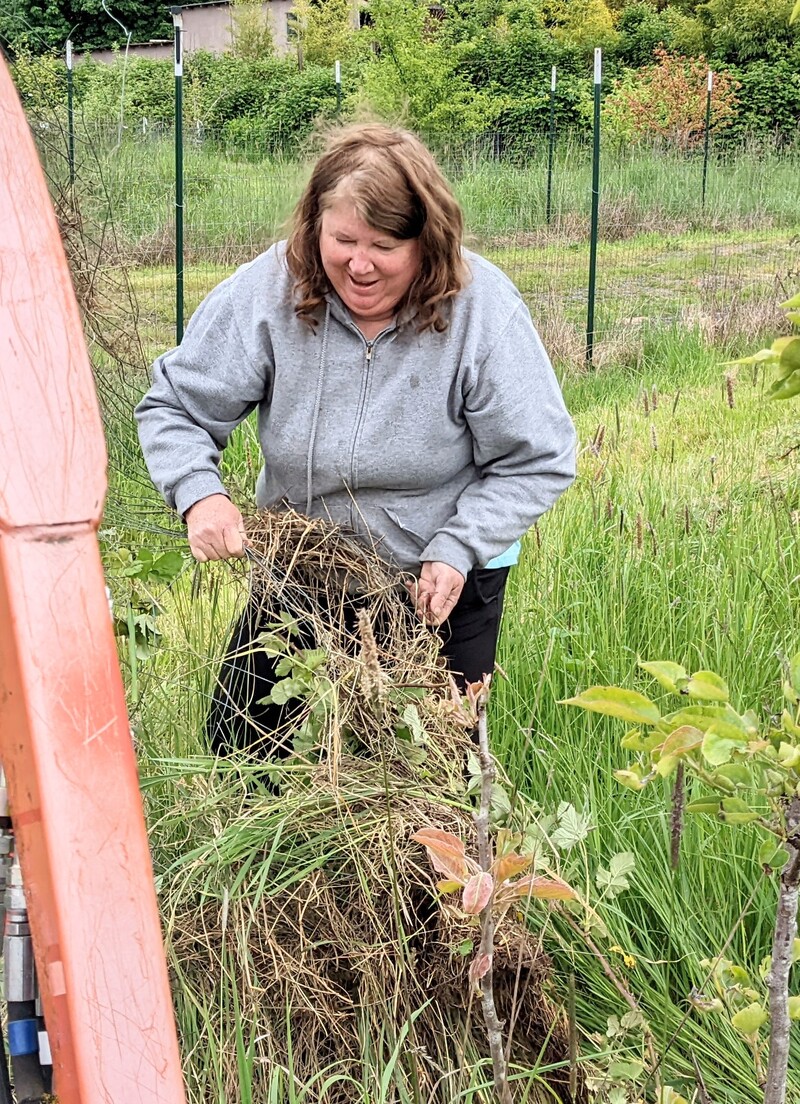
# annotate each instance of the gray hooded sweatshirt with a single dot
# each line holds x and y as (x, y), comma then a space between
(441, 447)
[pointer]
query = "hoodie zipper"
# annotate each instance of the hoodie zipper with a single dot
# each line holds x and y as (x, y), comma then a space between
(362, 405)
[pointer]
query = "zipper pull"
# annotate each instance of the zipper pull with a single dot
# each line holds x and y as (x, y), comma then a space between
(369, 353)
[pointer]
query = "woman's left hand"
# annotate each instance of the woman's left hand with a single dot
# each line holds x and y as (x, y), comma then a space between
(436, 592)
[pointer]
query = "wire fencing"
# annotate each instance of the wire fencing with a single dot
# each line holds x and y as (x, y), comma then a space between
(668, 257)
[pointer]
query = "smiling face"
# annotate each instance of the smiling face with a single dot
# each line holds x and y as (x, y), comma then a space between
(370, 270)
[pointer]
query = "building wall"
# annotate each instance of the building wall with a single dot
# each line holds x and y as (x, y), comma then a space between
(278, 11)
(211, 27)
(208, 27)
(155, 50)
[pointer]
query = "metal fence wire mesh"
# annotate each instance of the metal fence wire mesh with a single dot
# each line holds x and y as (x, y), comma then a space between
(665, 259)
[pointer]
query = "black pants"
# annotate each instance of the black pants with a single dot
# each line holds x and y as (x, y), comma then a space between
(239, 719)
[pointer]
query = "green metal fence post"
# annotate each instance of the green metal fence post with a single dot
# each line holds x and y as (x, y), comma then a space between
(551, 146)
(177, 22)
(70, 117)
(598, 69)
(337, 73)
(708, 129)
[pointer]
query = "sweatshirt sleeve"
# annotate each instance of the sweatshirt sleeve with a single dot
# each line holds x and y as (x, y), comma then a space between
(524, 449)
(201, 391)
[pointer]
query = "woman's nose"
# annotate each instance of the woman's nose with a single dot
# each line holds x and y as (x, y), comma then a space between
(360, 263)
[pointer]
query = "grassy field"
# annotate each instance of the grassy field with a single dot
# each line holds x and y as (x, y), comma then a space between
(237, 202)
(679, 541)
(722, 287)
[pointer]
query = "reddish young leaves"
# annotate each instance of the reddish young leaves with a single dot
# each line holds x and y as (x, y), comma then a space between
(446, 853)
(510, 865)
(480, 967)
(667, 99)
(544, 889)
(477, 893)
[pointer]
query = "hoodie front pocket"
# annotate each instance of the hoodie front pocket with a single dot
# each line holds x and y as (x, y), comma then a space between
(403, 538)
(416, 538)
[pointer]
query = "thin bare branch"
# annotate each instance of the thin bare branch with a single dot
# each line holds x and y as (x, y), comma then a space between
(494, 1029)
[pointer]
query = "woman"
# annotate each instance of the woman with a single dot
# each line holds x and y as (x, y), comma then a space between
(401, 389)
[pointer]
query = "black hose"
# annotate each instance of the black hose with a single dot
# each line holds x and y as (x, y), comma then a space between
(23, 1045)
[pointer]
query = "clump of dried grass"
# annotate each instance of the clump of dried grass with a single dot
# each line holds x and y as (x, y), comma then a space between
(728, 316)
(307, 915)
(102, 285)
(155, 248)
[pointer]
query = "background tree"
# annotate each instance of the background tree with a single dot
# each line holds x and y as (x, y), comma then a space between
(326, 30)
(686, 31)
(505, 50)
(582, 23)
(747, 30)
(40, 25)
(252, 30)
(642, 28)
(416, 77)
(668, 100)
(769, 99)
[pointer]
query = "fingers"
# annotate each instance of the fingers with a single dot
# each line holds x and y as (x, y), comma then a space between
(226, 544)
(215, 529)
(421, 591)
(436, 592)
(443, 602)
(233, 537)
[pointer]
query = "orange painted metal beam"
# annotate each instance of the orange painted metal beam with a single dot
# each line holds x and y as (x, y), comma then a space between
(65, 742)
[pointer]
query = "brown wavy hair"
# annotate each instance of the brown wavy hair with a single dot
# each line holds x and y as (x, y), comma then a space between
(398, 189)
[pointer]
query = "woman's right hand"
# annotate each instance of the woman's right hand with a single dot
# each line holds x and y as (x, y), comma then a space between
(216, 529)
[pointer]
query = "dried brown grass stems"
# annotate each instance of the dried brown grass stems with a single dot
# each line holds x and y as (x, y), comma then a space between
(351, 605)
(305, 918)
(100, 277)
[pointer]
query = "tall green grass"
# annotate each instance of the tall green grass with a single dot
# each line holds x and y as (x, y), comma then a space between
(679, 541)
(237, 201)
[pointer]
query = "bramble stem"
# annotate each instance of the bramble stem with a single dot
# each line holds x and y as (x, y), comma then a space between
(782, 947)
(494, 1029)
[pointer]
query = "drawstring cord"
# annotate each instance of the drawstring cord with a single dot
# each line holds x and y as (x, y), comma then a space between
(317, 405)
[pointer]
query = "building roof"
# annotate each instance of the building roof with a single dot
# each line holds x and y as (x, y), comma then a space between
(202, 4)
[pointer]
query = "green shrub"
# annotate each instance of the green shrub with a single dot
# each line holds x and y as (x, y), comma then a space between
(290, 104)
(641, 29)
(686, 32)
(512, 60)
(523, 123)
(417, 79)
(769, 99)
(148, 88)
(228, 87)
(41, 82)
(486, 68)
(741, 31)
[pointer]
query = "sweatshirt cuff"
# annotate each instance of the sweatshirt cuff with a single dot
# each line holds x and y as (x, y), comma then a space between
(446, 549)
(194, 487)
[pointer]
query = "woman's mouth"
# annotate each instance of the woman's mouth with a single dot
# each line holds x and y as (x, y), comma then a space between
(361, 285)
